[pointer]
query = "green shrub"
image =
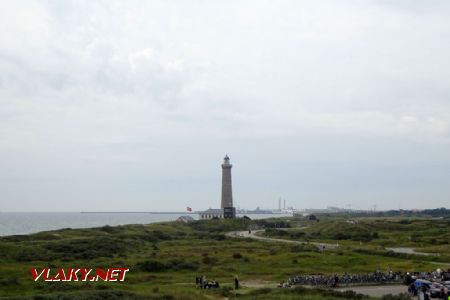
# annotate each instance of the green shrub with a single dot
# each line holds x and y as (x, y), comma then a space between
(208, 260)
(178, 264)
(151, 266)
(403, 296)
(13, 280)
(109, 229)
(304, 248)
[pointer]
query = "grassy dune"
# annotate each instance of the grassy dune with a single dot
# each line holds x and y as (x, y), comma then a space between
(420, 234)
(165, 258)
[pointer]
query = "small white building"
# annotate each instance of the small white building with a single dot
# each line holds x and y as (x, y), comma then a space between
(211, 213)
(185, 219)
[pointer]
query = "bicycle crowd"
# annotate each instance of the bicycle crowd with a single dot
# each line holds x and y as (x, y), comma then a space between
(346, 279)
(343, 280)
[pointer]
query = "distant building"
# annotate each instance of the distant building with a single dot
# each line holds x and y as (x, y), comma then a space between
(227, 210)
(212, 213)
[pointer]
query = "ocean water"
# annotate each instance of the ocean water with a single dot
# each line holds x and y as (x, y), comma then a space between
(30, 222)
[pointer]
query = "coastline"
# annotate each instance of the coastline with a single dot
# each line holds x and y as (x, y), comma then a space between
(18, 223)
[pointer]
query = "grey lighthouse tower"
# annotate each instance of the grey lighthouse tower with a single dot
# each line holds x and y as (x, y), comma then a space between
(229, 211)
(226, 210)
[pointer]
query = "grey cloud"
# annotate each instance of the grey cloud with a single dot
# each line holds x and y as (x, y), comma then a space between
(97, 93)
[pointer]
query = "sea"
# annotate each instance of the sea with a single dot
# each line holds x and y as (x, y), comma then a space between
(13, 223)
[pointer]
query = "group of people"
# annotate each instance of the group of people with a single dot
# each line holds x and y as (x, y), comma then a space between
(331, 281)
(376, 277)
(423, 292)
(204, 283)
(437, 275)
(344, 279)
(428, 285)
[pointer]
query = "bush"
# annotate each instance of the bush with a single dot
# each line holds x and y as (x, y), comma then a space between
(219, 225)
(88, 248)
(182, 265)
(9, 281)
(405, 222)
(151, 266)
(161, 235)
(237, 255)
(311, 248)
(304, 248)
(207, 260)
(224, 291)
(297, 248)
(218, 237)
(297, 234)
(276, 232)
(300, 292)
(272, 223)
(109, 229)
(403, 296)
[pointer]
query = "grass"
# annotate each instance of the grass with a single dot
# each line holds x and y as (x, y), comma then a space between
(165, 258)
(374, 234)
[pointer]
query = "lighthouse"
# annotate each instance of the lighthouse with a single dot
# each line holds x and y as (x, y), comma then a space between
(226, 210)
(227, 194)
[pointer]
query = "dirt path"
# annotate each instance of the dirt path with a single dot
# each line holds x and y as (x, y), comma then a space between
(407, 250)
(252, 235)
(370, 290)
(377, 291)
(258, 284)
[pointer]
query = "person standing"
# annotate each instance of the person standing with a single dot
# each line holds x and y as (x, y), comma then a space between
(427, 295)
(203, 282)
(421, 293)
(445, 293)
(236, 283)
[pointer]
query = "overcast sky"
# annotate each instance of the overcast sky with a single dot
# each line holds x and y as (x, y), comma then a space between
(132, 105)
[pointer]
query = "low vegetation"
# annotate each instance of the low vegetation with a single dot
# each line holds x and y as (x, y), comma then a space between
(165, 258)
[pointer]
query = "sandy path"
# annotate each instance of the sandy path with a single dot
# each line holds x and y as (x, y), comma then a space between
(252, 235)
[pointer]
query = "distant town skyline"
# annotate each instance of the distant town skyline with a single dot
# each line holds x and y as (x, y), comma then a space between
(132, 105)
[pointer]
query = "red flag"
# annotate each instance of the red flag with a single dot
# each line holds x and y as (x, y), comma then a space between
(188, 208)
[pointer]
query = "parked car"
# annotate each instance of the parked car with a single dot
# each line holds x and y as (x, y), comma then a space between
(435, 290)
(422, 282)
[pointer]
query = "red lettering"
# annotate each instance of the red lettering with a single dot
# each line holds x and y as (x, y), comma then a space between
(102, 274)
(35, 274)
(77, 274)
(60, 276)
(85, 273)
(72, 274)
(47, 275)
(122, 273)
(112, 274)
